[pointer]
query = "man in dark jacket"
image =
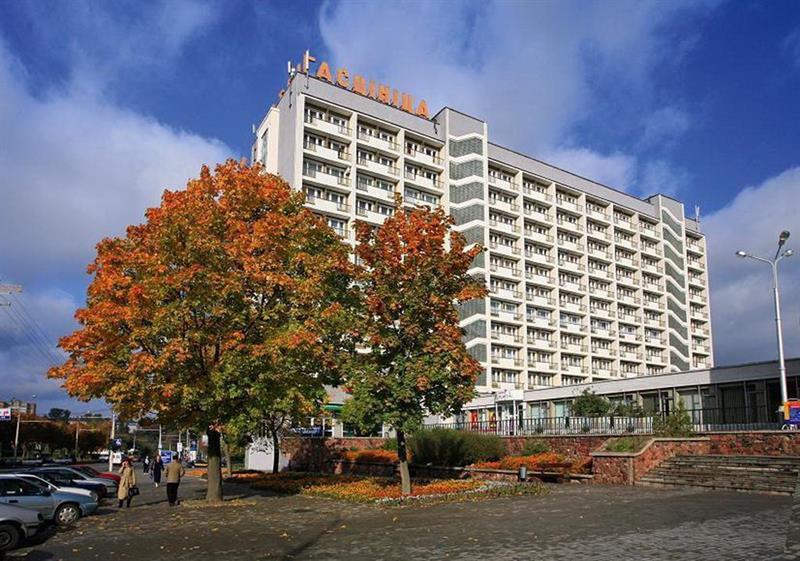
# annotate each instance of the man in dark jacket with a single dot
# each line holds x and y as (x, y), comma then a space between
(173, 472)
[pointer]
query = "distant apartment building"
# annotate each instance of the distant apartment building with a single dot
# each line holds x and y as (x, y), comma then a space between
(587, 283)
(19, 406)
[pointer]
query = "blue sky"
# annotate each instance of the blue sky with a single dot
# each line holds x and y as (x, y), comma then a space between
(104, 105)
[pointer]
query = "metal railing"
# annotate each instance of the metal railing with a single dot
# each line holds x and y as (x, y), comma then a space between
(703, 420)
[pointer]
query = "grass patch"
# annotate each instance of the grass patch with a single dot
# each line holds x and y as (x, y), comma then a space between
(626, 444)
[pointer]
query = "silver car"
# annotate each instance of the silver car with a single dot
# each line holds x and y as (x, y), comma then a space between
(36, 480)
(58, 506)
(16, 524)
(66, 472)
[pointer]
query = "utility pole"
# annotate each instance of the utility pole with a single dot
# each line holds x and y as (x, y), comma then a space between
(9, 289)
(77, 432)
(16, 436)
(111, 442)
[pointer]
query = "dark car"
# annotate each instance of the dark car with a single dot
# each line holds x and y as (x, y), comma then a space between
(61, 481)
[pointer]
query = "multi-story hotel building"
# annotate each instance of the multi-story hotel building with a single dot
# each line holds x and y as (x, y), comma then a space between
(587, 283)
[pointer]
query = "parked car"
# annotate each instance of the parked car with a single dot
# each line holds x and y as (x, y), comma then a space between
(16, 524)
(58, 506)
(69, 472)
(98, 488)
(91, 472)
(37, 480)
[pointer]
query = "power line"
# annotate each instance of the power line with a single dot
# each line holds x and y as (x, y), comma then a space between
(36, 328)
(31, 341)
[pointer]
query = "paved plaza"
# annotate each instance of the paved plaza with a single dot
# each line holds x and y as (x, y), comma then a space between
(571, 522)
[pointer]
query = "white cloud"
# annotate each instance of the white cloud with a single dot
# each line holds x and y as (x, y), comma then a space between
(665, 126)
(74, 168)
(615, 170)
(741, 290)
(661, 176)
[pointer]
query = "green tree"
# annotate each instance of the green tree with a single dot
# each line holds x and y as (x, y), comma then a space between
(678, 423)
(589, 404)
(231, 294)
(415, 362)
(57, 414)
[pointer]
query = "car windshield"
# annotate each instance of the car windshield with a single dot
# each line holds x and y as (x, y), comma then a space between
(36, 481)
(88, 469)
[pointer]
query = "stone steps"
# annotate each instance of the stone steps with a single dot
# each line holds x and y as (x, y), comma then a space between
(764, 474)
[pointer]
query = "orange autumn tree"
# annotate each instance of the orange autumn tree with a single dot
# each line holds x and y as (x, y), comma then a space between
(414, 362)
(231, 296)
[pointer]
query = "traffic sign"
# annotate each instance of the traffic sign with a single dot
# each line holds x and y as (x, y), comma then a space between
(5, 414)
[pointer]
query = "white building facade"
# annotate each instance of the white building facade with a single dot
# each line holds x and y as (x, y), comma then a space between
(586, 283)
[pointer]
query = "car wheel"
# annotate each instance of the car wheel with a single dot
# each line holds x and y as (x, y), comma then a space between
(9, 537)
(67, 514)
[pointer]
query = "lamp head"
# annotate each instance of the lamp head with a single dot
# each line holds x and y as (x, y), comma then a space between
(788, 253)
(783, 237)
(741, 254)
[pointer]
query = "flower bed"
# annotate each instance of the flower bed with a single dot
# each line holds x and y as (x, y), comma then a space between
(534, 461)
(378, 489)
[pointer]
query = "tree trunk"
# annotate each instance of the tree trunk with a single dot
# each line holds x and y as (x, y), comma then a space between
(276, 453)
(227, 451)
(214, 489)
(405, 475)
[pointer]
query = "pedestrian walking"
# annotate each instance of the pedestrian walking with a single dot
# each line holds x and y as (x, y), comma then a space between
(158, 467)
(174, 472)
(146, 464)
(127, 484)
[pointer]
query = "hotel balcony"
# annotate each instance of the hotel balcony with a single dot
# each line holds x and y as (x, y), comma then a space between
(695, 264)
(324, 178)
(606, 332)
(649, 230)
(625, 224)
(568, 204)
(570, 285)
(540, 258)
(598, 215)
(324, 152)
(390, 171)
(626, 260)
(700, 364)
(542, 366)
(698, 314)
(574, 246)
(537, 195)
(328, 206)
(542, 322)
(504, 270)
(652, 268)
(537, 214)
(600, 253)
(328, 127)
(655, 359)
(627, 336)
(537, 300)
(627, 280)
(504, 226)
(573, 327)
(541, 343)
(606, 313)
(573, 369)
(507, 361)
(571, 265)
(507, 385)
(651, 322)
(541, 279)
(573, 347)
(504, 315)
(500, 204)
(603, 292)
(630, 355)
(696, 280)
(371, 215)
(537, 237)
(628, 299)
(506, 338)
(694, 247)
(504, 249)
(503, 183)
(600, 273)
(652, 304)
(598, 234)
(652, 250)
(602, 351)
(626, 243)
(573, 307)
(374, 191)
(422, 181)
(569, 225)
(505, 293)
(378, 142)
(423, 158)
(700, 331)
(657, 341)
(701, 349)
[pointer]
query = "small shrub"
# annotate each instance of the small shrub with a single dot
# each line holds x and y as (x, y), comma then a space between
(532, 447)
(446, 447)
(675, 425)
(390, 444)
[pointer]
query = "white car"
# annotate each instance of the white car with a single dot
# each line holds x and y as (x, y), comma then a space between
(16, 524)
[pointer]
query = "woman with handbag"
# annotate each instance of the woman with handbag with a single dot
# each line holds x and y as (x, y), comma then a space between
(127, 483)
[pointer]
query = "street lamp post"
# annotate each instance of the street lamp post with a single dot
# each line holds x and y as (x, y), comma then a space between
(773, 263)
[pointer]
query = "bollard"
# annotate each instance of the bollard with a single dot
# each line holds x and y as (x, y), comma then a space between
(523, 473)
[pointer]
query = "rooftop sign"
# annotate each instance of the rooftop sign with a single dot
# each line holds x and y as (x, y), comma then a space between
(358, 84)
